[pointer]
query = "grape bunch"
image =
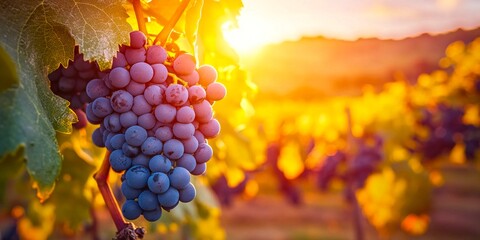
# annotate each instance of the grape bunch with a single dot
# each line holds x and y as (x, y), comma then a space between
(155, 115)
(70, 83)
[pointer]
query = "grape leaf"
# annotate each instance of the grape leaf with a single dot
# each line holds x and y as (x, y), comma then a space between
(38, 36)
(7, 72)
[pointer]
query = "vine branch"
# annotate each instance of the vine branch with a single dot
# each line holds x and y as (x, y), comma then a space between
(137, 7)
(165, 33)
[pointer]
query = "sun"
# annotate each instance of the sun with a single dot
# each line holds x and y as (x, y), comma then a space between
(247, 38)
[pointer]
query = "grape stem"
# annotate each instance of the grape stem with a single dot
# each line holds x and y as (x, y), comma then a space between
(165, 33)
(102, 181)
(137, 7)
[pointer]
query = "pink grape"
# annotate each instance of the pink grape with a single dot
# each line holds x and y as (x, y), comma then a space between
(141, 72)
(196, 94)
(165, 113)
(210, 129)
(216, 91)
(184, 64)
(185, 114)
(156, 54)
(135, 55)
(119, 77)
(176, 94)
(154, 95)
(137, 39)
(207, 74)
(160, 73)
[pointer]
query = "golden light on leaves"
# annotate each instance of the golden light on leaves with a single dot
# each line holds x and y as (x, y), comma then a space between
(290, 161)
(415, 224)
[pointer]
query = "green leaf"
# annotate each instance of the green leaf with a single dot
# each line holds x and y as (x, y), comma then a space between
(8, 73)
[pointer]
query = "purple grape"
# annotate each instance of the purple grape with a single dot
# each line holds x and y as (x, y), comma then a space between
(176, 94)
(128, 119)
(119, 162)
(210, 129)
(135, 88)
(200, 169)
(121, 101)
(66, 84)
(70, 71)
(129, 150)
(135, 55)
(151, 146)
(173, 149)
(207, 74)
(190, 145)
(199, 136)
(96, 88)
(164, 133)
(117, 141)
(184, 64)
(203, 153)
(179, 177)
(137, 176)
(131, 210)
(135, 135)
(141, 159)
(183, 130)
(119, 60)
(112, 122)
(90, 116)
(188, 193)
(158, 182)
(97, 138)
(154, 95)
(147, 121)
(140, 105)
(165, 113)
(187, 161)
(119, 77)
(185, 114)
(137, 39)
(101, 107)
(169, 198)
(147, 200)
(129, 192)
(160, 163)
(156, 54)
(160, 73)
(153, 215)
(141, 72)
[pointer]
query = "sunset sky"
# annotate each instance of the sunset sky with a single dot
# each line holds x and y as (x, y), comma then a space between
(268, 21)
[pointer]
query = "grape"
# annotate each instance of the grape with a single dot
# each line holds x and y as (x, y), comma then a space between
(70, 71)
(158, 182)
(141, 72)
(164, 133)
(137, 39)
(179, 177)
(140, 105)
(66, 84)
(135, 55)
(203, 111)
(131, 210)
(210, 129)
(130, 193)
(187, 161)
(119, 61)
(90, 116)
(112, 122)
(119, 77)
(203, 153)
(147, 121)
(135, 135)
(173, 149)
(96, 88)
(160, 163)
(199, 136)
(101, 107)
(151, 146)
(207, 74)
(97, 138)
(121, 101)
(184, 64)
(156, 54)
(137, 176)
(153, 215)
(190, 145)
(199, 169)
(129, 151)
(185, 114)
(135, 88)
(183, 130)
(119, 162)
(147, 200)
(165, 113)
(82, 119)
(187, 194)
(128, 119)
(191, 78)
(160, 73)
(107, 140)
(216, 91)
(169, 198)
(153, 95)
(80, 64)
(176, 94)
(141, 159)
(117, 141)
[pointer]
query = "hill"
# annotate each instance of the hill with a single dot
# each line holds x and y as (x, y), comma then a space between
(318, 67)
